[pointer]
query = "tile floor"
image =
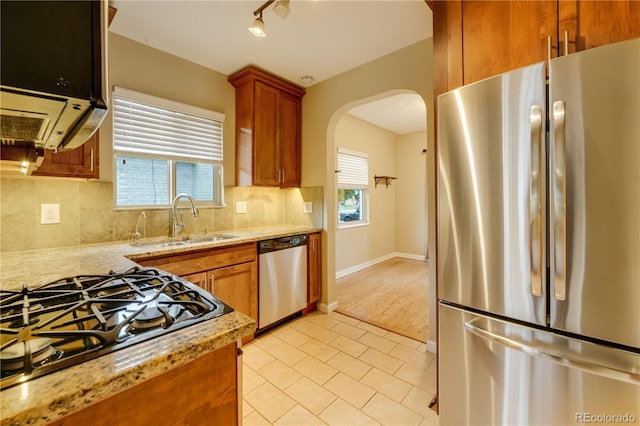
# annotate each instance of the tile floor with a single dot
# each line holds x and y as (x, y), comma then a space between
(336, 370)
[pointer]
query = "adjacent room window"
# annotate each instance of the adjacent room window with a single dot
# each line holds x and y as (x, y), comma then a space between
(353, 184)
(163, 148)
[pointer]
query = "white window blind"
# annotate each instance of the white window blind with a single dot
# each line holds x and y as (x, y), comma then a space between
(353, 169)
(148, 126)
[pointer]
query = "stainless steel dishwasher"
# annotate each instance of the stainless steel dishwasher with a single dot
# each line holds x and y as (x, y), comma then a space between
(282, 280)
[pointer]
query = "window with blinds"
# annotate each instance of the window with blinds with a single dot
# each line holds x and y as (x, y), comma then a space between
(353, 184)
(163, 148)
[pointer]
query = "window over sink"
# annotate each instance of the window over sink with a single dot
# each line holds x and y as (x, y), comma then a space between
(163, 148)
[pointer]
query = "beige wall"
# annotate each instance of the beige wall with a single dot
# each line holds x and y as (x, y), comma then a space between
(360, 244)
(411, 196)
(404, 71)
(398, 213)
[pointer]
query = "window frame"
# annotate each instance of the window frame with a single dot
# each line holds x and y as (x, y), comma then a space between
(355, 177)
(172, 160)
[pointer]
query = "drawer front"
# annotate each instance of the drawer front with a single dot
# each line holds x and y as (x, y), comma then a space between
(193, 262)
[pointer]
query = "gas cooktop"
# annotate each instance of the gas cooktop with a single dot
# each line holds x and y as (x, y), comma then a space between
(79, 318)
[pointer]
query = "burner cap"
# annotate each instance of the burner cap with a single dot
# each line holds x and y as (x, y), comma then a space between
(13, 357)
(151, 317)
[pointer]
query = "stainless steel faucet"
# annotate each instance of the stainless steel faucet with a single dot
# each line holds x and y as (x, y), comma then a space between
(179, 226)
(136, 234)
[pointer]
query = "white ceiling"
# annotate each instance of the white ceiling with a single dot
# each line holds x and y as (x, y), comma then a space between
(320, 38)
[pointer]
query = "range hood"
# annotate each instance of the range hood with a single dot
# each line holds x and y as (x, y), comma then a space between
(53, 77)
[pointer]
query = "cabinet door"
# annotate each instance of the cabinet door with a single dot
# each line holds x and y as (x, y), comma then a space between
(266, 161)
(81, 162)
(500, 36)
(314, 268)
(201, 279)
(290, 151)
(589, 24)
(237, 286)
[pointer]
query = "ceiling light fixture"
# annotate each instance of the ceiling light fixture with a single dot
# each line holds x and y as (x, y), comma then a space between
(281, 8)
(257, 28)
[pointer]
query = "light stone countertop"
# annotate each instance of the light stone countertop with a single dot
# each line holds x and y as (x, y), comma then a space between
(45, 399)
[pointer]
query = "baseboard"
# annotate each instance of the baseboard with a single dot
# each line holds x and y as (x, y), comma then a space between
(327, 308)
(356, 268)
(432, 346)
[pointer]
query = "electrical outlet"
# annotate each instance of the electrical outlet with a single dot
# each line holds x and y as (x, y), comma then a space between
(241, 206)
(308, 207)
(49, 213)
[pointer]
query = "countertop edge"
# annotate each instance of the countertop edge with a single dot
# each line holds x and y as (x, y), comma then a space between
(47, 399)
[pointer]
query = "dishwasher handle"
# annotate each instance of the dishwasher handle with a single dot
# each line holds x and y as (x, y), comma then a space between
(267, 246)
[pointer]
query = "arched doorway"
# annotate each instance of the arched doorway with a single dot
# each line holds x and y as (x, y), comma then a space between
(381, 240)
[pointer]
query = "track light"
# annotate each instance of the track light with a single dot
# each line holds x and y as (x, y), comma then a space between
(281, 8)
(257, 28)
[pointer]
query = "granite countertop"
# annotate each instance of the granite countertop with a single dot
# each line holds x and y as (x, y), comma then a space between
(41, 266)
(47, 398)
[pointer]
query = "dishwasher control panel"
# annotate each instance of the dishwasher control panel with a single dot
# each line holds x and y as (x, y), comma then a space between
(282, 243)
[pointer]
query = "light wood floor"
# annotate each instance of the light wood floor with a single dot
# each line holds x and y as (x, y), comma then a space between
(393, 295)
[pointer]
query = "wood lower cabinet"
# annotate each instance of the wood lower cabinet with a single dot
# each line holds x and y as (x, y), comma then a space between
(201, 392)
(314, 270)
(82, 162)
(229, 273)
(268, 129)
(238, 283)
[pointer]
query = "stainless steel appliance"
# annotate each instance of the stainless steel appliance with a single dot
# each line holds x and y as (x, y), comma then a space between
(53, 87)
(539, 243)
(79, 318)
(282, 278)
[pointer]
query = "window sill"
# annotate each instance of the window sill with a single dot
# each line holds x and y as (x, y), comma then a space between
(342, 226)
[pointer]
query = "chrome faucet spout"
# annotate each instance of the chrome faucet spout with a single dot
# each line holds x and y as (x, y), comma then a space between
(179, 226)
(136, 234)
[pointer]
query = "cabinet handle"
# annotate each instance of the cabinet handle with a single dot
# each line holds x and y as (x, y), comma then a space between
(282, 175)
(91, 153)
(566, 43)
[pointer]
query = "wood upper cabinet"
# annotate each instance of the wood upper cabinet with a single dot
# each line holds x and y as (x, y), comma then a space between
(589, 24)
(314, 268)
(82, 162)
(268, 129)
(498, 36)
(474, 40)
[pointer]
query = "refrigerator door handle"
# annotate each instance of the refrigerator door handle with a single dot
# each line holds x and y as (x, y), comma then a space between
(559, 202)
(620, 373)
(535, 203)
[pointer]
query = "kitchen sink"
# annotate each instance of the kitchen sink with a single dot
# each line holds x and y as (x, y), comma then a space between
(208, 238)
(186, 241)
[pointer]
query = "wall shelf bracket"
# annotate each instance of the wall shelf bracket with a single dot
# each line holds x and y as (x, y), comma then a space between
(386, 179)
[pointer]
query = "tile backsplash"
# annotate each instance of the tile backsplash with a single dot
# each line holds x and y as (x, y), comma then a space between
(87, 215)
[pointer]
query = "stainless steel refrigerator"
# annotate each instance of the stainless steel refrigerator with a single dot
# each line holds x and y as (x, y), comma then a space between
(539, 243)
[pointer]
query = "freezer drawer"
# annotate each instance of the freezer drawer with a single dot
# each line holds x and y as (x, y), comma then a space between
(498, 373)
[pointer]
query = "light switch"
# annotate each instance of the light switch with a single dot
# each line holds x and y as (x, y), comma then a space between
(241, 206)
(49, 213)
(308, 207)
